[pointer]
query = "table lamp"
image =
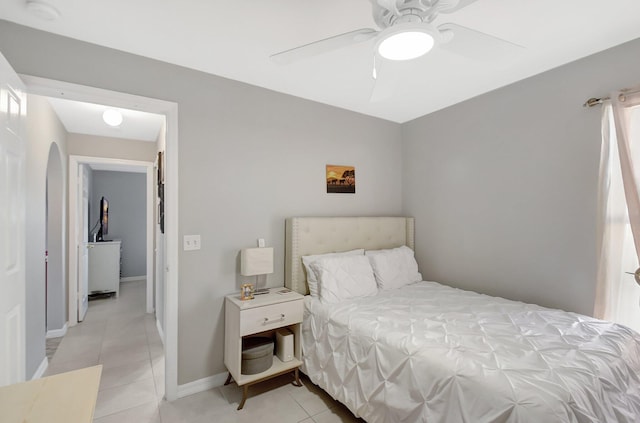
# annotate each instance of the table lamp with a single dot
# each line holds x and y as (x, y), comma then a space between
(257, 262)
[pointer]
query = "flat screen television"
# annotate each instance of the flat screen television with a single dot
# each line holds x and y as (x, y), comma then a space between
(104, 219)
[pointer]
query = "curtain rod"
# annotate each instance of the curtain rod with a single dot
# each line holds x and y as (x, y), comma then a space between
(594, 101)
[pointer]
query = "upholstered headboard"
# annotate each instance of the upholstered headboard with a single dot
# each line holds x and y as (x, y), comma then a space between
(320, 235)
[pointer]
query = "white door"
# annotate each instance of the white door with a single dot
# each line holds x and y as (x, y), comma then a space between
(83, 245)
(13, 111)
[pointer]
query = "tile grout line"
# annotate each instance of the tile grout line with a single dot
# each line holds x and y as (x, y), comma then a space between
(301, 406)
(153, 372)
(120, 411)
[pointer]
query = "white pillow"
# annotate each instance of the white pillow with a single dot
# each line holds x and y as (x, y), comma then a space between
(345, 277)
(394, 268)
(312, 282)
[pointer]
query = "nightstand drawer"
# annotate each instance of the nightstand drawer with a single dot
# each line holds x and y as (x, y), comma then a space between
(268, 317)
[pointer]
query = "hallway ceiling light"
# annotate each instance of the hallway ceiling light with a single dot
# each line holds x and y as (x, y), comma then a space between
(112, 117)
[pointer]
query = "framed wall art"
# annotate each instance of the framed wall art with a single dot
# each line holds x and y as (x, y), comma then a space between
(161, 207)
(341, 179)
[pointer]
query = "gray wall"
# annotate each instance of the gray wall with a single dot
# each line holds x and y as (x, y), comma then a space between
(503, 186)
(43, 130)
(126, 193)
(57, 314)
(248, 158)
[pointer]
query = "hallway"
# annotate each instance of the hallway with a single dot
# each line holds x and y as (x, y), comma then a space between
(118, 334)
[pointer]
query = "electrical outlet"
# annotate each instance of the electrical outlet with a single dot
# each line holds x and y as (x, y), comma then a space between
(261, 242)
(191, 242)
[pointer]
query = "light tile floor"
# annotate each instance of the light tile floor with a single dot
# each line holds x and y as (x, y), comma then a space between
(51, 345)
(118, 334)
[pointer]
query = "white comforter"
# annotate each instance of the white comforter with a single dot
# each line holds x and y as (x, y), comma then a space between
(431, 353)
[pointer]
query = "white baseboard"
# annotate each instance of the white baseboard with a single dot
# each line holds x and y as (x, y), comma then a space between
(201, 385)
(57, 333)
(41, 368)
(133, 278)
(160, 331)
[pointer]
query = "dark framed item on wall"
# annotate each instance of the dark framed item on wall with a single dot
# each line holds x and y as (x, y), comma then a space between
(161, 207)
(160, 167)
(161, 190)
(161, 216)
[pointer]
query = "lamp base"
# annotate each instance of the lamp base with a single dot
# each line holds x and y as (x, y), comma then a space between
(261, 285)
(261, 291)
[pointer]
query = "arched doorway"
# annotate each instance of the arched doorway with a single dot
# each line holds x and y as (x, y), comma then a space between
(56, 291)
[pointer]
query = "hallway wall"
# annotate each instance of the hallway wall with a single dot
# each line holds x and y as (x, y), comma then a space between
(159, 241)
(43, 129)
(112, 148)
(57, 312)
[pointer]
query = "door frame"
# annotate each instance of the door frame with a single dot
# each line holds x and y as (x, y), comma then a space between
(79, 222)
(117, 165)
(60, 89)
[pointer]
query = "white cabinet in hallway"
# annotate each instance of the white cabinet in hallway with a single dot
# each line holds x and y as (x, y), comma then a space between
(104, 267)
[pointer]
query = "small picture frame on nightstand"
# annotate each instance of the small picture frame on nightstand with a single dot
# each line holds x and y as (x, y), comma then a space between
(246, 291)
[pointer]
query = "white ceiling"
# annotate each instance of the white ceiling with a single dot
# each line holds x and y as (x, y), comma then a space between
(235, 38)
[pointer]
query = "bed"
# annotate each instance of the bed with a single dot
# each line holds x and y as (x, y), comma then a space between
(426, 352)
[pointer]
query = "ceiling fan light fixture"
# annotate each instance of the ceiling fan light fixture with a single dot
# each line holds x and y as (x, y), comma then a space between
(406, 41)
(112, 117)
(43, 10)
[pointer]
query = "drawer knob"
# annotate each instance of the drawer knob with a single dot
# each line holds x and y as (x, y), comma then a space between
(268, 320)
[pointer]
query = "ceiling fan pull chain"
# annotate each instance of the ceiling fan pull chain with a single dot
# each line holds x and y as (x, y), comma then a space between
(375, 71)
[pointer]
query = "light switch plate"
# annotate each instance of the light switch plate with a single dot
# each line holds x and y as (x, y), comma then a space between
(191, 242)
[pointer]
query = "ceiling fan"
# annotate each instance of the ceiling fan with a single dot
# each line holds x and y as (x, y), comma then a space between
(407, 32)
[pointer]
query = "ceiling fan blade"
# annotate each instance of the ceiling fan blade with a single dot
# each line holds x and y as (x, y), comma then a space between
(385, 82)
(461, 4)
(476, 45)
(323, 46)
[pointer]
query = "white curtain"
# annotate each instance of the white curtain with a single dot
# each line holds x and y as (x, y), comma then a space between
(617, 294)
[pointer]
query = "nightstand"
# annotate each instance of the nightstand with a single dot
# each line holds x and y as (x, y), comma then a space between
(280, 308)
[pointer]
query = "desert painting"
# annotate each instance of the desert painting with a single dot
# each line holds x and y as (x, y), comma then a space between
(341, 179)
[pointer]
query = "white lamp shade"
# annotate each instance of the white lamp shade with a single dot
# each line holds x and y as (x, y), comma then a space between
(256, 261)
